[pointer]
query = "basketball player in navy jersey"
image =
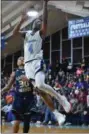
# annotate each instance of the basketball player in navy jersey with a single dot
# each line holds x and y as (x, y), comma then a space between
(33, 55)
(24, 100)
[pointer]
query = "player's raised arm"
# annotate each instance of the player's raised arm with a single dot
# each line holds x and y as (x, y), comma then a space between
(45, 17)
(18, 26)
(10, 83)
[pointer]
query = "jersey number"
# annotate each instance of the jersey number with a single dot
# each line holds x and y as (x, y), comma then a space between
(24, 84)
(31, 49)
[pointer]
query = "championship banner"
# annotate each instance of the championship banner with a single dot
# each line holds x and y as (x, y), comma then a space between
(78, 28)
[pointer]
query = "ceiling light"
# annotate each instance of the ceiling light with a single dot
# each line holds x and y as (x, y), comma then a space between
(32, 13)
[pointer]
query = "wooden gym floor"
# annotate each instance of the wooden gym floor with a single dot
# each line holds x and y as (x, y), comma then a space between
(47, 129)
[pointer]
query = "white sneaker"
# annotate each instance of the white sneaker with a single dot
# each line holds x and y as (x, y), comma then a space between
(66, 105)
(49, 122)
(38, 122)
(60, 117)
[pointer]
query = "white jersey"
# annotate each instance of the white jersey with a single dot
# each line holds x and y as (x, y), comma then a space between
(33, 46)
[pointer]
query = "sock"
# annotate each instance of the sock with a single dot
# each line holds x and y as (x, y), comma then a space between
(26, 124)
(55, 111)
(26, 127)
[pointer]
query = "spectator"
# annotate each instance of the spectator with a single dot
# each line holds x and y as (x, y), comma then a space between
(74, 84)
(49, 116)
(79, 84)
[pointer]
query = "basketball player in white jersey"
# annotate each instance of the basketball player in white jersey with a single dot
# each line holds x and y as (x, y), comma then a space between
(33, 56)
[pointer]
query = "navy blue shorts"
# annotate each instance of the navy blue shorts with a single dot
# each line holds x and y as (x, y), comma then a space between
(24, 104)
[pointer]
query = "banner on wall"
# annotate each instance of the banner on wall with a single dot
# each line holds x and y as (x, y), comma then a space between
(78, 28)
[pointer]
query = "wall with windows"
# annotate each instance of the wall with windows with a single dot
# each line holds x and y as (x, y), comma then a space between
(56, 47)
(62, 47)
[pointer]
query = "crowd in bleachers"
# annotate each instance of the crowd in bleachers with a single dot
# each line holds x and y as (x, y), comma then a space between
(71, 81)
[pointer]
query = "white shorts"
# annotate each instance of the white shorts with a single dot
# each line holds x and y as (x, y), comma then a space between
(31, 68)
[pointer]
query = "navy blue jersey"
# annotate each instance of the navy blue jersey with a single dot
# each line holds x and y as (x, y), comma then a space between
(22, 86)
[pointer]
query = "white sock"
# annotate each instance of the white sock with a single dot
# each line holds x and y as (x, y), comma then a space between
(55, 111)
